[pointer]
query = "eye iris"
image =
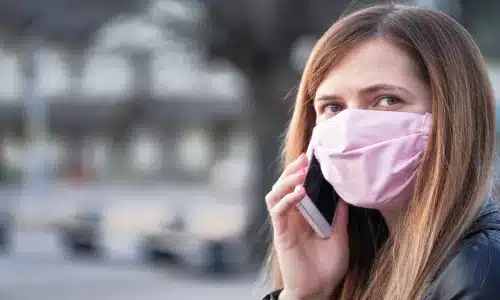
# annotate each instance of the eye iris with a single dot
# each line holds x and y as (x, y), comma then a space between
(332, 108)
(390, 101)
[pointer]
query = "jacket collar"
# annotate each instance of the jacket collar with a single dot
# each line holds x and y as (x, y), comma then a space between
(488, 217)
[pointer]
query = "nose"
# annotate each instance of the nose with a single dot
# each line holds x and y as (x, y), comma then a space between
(356, 104)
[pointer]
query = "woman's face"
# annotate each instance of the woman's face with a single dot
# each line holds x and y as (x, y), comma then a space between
(374, 75)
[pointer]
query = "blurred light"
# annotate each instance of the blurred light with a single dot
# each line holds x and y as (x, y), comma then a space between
(300, 52)
(241, 144)
(178, 11)
(146, 154)
(426, 3)
(125, 217)
(195, 150)
(129, 33)
(56, 153)
(97, 153)
(188, 75)
(451, 7)
(10, 85)
(177, 74)
(14, 152)
(106, 75)
(232, 174)
(212, 220)
(53, 73)
(226, 82)
(235, 173)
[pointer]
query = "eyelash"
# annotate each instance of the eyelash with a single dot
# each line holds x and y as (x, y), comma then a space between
(394, 98)
(326, 105)
(378, 99)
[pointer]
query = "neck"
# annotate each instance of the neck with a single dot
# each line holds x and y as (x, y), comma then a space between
(392, 216)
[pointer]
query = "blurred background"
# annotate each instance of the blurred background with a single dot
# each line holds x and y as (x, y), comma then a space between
(139, 137)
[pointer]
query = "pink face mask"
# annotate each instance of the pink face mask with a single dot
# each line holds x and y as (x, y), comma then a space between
(371, 157)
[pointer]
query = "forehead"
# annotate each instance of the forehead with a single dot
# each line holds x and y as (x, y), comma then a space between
(375, 61)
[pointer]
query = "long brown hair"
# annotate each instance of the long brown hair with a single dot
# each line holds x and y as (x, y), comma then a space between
(455, 170)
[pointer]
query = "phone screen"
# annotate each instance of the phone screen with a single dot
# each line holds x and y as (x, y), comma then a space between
(320, 191)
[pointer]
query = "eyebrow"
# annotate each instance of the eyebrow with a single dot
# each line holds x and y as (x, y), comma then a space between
(366, 91)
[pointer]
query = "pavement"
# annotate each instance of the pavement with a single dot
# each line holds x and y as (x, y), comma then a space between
(38, 268)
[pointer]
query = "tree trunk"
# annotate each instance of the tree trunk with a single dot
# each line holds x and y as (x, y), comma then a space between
(268, 118)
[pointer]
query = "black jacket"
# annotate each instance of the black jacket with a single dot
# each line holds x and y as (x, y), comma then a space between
(472, 271)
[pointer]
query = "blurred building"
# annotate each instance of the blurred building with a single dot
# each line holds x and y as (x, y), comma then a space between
(121, 91)
(133, 103)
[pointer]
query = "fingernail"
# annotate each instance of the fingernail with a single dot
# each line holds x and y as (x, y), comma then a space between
(301, 190)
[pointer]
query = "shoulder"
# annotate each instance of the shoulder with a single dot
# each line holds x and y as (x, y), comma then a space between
(473, 270)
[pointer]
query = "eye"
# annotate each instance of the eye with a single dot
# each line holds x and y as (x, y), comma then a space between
(388, 101)
(331, 108)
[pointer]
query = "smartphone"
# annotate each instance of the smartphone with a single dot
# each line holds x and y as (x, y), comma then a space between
(320, 201)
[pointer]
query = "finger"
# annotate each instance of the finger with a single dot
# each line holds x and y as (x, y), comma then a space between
(288, 202)
(299, 163)
(284, 187)
(341, 219)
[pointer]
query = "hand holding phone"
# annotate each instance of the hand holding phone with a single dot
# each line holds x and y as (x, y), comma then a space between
(320, 201)
(311, 264)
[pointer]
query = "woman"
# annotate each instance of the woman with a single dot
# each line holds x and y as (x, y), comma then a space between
(377, 74)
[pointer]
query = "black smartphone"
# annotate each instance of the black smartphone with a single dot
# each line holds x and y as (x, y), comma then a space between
(320, 201)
